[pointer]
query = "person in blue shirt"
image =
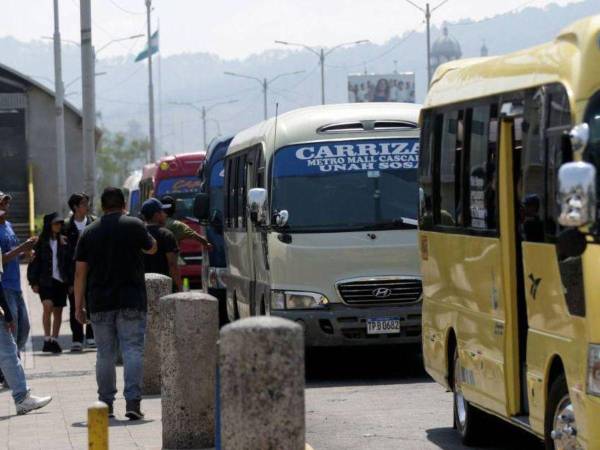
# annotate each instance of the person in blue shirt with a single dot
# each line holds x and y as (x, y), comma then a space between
(10, 363)
(11, 277)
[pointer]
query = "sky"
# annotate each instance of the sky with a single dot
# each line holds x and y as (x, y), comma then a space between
(239, 28)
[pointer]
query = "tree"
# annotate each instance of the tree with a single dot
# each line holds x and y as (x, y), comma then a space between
(117, 157)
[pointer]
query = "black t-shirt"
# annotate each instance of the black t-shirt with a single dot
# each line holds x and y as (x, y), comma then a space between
(112, 246)
(166, 243)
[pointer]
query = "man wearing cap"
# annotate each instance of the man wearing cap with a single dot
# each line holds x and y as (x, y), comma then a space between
(164, 261)
(110, 287)
(11, 277)
(179, 229)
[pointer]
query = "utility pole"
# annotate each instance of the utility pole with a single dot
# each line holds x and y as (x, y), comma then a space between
(322, 53)
(428, 20)
(204, 128)
(152, 155)
(427, 10)
(203, 112)
(322, 62)
(264, 84)
(59, 93)
(88, 97)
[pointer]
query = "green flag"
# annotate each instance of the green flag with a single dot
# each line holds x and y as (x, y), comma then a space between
(153, 48)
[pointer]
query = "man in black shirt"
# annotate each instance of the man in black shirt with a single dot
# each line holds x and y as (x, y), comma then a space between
(164, 261)
(109, 280)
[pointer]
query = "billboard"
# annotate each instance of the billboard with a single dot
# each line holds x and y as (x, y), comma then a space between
(395, 87)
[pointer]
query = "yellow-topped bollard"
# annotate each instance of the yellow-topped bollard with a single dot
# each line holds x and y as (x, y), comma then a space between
(98, 426)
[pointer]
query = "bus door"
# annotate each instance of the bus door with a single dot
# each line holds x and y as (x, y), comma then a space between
(256, 235)
(544, 284)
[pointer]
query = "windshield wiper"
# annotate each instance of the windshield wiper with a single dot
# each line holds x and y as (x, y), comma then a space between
(403, 223)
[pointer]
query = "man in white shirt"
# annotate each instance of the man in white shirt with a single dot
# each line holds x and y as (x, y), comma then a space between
(74, 226)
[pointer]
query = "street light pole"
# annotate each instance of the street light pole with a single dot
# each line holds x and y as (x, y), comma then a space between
(61, 157)
(264, 82)
(88, 97)
(427, 10)
(152, 155)
(322, 53)
(203, 111)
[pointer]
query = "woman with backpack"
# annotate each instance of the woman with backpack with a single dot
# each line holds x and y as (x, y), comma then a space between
(47, 274)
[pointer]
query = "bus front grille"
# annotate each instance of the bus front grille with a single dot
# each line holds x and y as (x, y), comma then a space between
(385, 291)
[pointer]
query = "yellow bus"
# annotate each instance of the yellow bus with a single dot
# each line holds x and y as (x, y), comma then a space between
(509, 238)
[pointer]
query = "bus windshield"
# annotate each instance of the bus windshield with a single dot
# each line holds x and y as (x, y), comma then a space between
(348, 185)
(183, 190)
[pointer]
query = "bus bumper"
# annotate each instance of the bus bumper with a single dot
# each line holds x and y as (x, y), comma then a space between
(341, 325)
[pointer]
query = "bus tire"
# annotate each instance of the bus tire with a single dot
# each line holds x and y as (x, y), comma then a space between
(559, 421)
(468, 420)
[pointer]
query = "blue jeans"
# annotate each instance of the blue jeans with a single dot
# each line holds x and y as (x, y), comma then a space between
(124, 328)
(16, 303)
(11, 364)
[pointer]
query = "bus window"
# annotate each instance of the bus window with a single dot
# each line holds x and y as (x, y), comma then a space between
(559, 123)
(241, 192)
(426, 171)
(532, 168)
(482, 166)
(450, 162)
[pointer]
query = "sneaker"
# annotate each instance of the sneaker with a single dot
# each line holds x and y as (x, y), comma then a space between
(31, 403)
(47, 347)
(133, 410)
(90, 343)
(76, 347)
(56, 347)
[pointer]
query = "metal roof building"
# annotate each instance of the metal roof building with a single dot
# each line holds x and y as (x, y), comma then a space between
(28, 139)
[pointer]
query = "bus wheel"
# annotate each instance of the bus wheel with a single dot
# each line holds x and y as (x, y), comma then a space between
(561, 429)
(467, 418)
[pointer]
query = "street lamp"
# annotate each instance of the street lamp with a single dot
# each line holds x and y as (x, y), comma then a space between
(128, 38)
(322, 53)
(264, 83)
(203, 110)
(427, 12)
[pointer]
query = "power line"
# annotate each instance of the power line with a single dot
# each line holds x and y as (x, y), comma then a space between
(134, 13)
(382, 55)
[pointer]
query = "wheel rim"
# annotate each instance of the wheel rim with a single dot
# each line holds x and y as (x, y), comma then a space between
(564, 431)
(459, 399)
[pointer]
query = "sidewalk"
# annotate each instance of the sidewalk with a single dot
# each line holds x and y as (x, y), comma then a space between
(70, 379)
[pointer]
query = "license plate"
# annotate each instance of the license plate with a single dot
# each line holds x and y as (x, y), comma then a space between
(383, 326)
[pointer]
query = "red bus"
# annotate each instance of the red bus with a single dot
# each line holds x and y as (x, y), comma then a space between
(177, 176)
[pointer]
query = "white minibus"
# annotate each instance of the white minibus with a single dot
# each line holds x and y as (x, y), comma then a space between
(320, 223)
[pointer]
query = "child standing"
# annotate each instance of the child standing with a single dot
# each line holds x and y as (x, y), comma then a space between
(46, 274)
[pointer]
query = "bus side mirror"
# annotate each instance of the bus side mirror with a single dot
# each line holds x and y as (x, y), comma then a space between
(202, 207)
(257, 203)
(577, 194)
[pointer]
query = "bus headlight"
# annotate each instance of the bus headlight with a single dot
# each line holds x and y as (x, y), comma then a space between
(593, 384)
(297, 300)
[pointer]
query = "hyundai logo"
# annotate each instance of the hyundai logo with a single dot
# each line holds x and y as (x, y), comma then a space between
(382, 292)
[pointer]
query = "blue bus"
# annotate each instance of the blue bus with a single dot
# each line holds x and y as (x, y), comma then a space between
(212, 177)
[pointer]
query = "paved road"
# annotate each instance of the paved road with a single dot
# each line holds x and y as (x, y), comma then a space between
(382, 399)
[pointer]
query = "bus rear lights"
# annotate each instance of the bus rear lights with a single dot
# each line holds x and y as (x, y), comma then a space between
(593, 386)
(297, 300)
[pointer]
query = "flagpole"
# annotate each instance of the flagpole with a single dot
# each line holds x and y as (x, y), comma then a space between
(160, 98)
(152, 154)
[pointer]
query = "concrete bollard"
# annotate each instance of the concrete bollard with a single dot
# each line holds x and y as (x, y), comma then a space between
(98, 426)
(261, 364)
(189, 333)
(157, 286)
